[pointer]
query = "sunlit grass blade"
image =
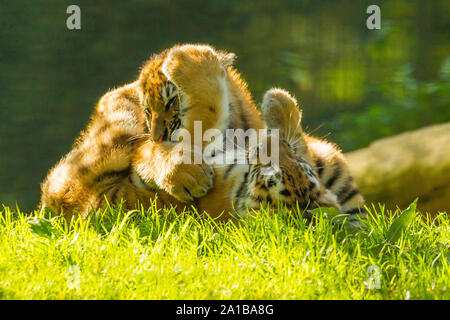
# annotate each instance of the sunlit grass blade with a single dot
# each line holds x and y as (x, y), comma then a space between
(401, 223)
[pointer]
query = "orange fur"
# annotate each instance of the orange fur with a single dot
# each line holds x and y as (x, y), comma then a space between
(99, 163)
(211, 91)
(121, 155)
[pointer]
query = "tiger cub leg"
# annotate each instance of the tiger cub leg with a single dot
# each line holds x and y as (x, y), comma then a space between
(199, 73)
(279, 110)
(164, 166)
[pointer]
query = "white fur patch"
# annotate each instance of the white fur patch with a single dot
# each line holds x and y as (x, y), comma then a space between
(59, 178)
(309, 173)
(164, 67)
(224, 115)
(329, 197)
(138, 183)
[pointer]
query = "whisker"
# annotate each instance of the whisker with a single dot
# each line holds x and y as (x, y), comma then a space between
(316, 128)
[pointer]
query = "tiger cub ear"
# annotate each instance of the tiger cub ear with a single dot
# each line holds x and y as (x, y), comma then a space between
(226, 58)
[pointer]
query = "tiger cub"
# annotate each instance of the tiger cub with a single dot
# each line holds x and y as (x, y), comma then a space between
(297, 182)
(292, 181)
(280, 110)
(98, 167)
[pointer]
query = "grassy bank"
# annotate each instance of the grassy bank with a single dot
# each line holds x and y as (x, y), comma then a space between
(151, 254)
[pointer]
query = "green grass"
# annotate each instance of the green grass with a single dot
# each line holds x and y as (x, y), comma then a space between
(154, 254)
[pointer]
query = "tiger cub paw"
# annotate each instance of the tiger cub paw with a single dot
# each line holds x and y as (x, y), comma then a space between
(184, 178)
(189, 181)
(192, 65)
(279, 109)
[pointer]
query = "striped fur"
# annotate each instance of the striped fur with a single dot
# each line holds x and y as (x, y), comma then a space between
(100, 161)
(120, 155)
(326, 159)
(210, 91)
(116, 156)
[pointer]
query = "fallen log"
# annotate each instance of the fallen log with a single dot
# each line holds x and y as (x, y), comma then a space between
(396, 170)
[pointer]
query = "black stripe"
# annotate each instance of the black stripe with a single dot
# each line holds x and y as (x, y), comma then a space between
(122, 139)
(344, 190)
(231, 124)
(188, 192)
(112, 197)
(107, 174)
(350, 195)
(100, 200)
(334, 177)
(244, 122)
(254, 172)
(290, 178)
(130, 97)
(83, 170)
(103, 128)
(241, 187)
(184, 111)
(227, 172)
(263, 186)
(355, 210)
(319, 166)
(257, 198)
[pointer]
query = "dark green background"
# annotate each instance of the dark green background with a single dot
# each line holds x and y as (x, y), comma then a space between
(354, 84)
